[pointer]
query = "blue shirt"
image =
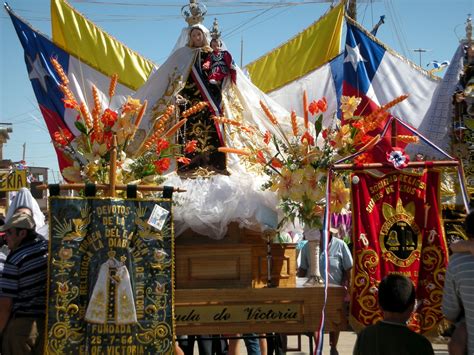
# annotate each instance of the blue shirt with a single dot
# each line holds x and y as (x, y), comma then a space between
(340, 260)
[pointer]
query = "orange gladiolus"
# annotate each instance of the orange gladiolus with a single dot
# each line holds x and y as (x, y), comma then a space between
(260, 158)
(323, 104)
(162, 165)
(63, 136)
(190, 146)
(318, 106)
(184, 160)
(313, 107)
(267, 137)
(161, 145)
(308, 138)
(276, 163)
(109, 117)
(70, 103)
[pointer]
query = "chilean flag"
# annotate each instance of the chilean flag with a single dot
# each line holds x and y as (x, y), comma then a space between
(378, 75)
(44, 79)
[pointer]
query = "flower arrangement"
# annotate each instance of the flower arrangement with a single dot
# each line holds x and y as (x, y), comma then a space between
(297, 162)
(102, 129)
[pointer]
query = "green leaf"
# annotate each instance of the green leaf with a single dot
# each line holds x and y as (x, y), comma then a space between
(81, 127)
(148, 169)
(318, 125)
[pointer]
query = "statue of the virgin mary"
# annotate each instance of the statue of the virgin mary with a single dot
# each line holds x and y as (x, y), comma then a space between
(232, 189)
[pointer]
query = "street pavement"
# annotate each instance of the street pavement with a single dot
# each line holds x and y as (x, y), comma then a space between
(345, 345)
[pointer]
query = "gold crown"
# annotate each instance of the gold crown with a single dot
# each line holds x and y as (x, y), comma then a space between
(215, 33)
(194, 12)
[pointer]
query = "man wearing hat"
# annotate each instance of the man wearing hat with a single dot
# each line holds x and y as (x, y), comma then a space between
(23, 287)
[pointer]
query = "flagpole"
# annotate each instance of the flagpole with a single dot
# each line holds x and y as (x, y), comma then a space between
(394, 133)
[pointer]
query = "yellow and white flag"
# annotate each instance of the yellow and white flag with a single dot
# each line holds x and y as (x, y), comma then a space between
(307, 51)
(82, 38)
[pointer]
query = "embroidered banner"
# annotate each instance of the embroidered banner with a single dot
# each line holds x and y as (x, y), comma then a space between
(110, 276)
(397, 229)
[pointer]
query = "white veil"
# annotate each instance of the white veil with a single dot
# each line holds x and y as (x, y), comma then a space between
(183, 38)
(209, 205)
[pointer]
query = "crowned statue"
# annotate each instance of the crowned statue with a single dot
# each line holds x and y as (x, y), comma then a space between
(201, 81)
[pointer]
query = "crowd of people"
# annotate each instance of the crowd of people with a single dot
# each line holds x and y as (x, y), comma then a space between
(23, 281)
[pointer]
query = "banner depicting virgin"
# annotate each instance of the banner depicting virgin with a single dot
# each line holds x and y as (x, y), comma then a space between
(110, 277)
(397, 229)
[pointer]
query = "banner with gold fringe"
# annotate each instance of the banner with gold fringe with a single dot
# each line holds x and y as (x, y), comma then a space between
(110, 276)
(397, 229)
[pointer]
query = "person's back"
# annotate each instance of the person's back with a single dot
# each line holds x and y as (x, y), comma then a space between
(459, 286)
(396, 297)
(458, 293)
(386, 338)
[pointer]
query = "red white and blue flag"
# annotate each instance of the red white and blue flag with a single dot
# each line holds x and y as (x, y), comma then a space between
(377, 74)
(44, 80)
(38, 50)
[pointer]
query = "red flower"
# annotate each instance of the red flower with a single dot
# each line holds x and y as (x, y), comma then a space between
(190, 146)
(313, 107)
(107, 138)
(161, 145)
(276, 163)
(63, 136)
(70, 103)
(325, 133)
(184, 160)
(323, 104)
(358, 124)
(308, 138)
(366, 139)
(260, 158)
(109, 117)
(162, 165)
(267, 137)
(318, 106)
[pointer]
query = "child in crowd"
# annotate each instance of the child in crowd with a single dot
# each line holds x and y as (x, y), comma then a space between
(391, 335)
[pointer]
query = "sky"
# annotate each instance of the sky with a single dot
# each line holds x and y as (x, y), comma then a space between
(249, 28)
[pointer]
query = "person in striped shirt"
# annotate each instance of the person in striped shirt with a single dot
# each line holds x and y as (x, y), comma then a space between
(23, 287)
(458, 294)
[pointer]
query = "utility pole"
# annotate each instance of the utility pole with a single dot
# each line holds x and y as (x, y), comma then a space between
(352, 9)
(24, 152)
(241, 51)
(419, 51)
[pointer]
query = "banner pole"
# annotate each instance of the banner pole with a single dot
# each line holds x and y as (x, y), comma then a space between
(119, 187)
(113, 167)
(416, 164)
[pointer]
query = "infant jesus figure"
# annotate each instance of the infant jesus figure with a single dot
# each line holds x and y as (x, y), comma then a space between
(219, 64)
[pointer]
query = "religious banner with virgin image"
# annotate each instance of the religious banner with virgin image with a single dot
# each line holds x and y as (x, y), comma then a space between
(110, 276)
(397, 229)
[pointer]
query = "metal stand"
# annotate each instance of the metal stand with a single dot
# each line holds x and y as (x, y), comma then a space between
(269, 234)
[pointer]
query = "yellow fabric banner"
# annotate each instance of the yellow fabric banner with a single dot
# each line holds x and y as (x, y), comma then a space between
(305, 52)
(82, 38)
